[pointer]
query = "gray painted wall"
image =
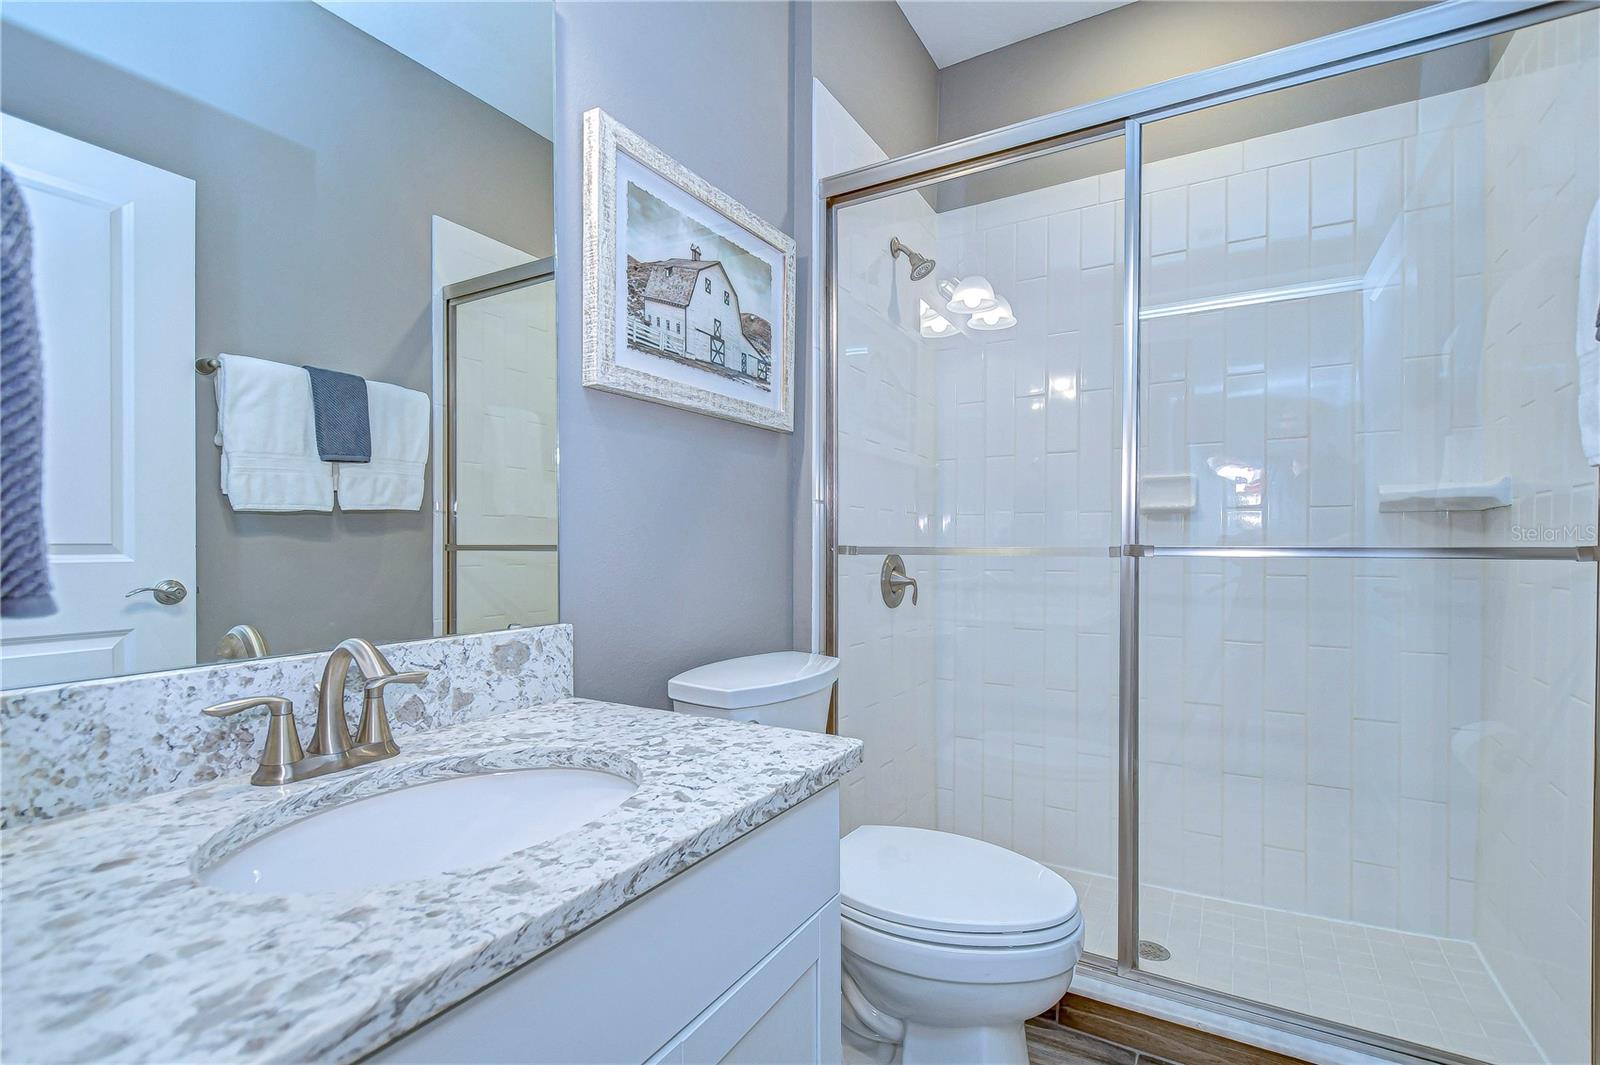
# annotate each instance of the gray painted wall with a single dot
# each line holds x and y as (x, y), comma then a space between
(676, 536)
(873, 63)
(1131, 46)
(319, 156)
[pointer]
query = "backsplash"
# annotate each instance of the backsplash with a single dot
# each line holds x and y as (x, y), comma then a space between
(76, 747)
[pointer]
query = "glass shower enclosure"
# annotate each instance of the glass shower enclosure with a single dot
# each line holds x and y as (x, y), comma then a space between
(1233, 442)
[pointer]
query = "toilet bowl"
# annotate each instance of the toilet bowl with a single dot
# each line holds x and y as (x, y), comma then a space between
(952, 943)
(949, 943)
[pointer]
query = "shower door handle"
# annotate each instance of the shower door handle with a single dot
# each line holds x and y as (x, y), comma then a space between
(893, 582)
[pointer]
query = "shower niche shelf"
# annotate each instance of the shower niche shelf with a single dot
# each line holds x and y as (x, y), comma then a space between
(1445, 496)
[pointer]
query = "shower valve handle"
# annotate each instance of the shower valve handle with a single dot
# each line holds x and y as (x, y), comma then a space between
(893, 582)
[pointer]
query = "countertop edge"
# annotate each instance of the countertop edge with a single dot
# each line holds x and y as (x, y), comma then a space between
(458, 982)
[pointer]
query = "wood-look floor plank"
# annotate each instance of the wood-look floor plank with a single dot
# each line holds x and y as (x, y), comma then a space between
(1050, 1043)
(1156, 1038)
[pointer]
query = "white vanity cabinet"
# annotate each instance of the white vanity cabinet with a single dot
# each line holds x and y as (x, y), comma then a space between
(736, 959)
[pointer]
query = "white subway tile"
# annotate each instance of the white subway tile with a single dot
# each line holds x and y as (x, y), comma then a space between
(1423, 880)
(1247, 205)
(1241, 838)
(1375, 792)
(1284, 882)
(1374, 894)
(1097, 236)
(1333, 179)
(1032, 248)
(1328, 856)
(1062, 239)
(1168, 220)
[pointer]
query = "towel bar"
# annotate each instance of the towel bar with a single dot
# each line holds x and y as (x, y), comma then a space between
(207, 366)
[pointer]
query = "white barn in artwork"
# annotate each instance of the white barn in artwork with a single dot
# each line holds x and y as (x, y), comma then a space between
(692, 310)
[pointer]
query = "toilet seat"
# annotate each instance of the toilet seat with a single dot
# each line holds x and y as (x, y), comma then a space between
(992, 940)
(954, 964)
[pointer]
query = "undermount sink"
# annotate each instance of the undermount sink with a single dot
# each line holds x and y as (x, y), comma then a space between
(440, 826)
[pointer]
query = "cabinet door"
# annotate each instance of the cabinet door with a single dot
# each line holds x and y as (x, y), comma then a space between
(785, 1011)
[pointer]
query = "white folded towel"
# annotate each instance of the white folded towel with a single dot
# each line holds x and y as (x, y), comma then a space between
(399, 419)
(268, 437)
(1588, 341)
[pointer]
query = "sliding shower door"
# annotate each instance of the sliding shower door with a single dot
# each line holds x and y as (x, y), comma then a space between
(1300, 691)
(1367, 675)
(982, 451)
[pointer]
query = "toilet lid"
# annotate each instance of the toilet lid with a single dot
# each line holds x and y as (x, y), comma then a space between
(937, 880)
(755, 680)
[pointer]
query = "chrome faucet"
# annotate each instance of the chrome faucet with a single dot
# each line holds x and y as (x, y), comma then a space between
(332, 735)
(331, 748)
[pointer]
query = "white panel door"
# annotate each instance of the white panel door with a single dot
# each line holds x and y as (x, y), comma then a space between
(113, 265)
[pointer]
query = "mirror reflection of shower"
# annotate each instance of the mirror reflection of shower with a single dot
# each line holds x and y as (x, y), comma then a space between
(921, 265)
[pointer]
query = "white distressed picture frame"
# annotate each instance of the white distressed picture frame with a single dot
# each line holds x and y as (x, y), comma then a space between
(603, 138)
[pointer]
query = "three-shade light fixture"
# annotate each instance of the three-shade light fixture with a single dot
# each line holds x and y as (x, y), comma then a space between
(975, 298)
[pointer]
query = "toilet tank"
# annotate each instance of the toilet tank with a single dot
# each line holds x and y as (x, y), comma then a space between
(789, 689)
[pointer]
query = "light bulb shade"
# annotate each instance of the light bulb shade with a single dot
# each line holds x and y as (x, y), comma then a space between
(972, 295)
(995, 318)
(934, 324)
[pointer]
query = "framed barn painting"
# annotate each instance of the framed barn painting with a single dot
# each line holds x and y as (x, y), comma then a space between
(688, 297)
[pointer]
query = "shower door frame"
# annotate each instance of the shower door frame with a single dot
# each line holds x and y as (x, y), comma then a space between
(1414, 33)
(455, 295)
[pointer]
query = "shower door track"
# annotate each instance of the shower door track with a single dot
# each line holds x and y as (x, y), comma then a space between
(1414, 33)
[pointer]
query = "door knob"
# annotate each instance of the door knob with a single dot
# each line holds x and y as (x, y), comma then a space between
(167, 593)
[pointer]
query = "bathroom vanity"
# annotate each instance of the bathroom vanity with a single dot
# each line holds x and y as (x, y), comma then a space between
(695, 918)
(734, 959)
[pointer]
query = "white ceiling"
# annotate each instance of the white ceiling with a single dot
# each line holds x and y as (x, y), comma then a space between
(502, 53)
(953, 30)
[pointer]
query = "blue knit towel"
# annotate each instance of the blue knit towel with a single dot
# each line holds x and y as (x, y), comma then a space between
(24, 566)
(339, 409)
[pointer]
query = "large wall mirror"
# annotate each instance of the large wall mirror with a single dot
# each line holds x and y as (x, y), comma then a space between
(225, 200)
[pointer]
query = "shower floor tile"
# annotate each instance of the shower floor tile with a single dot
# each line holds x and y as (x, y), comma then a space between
(1433, 991)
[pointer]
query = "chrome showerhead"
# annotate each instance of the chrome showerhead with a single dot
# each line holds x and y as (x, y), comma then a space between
(921, 266)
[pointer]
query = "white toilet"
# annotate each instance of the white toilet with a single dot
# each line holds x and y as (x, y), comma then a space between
(949, 943)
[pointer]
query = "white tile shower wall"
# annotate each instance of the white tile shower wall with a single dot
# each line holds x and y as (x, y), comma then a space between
(1028, 455)
(1268, 777)
(886, 486)
(1298, 724)
(1291, 415)
(1536, 739)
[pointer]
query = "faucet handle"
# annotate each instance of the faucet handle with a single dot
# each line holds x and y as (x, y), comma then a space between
(283, 740)
(414, 676)
(374, 730)
(277, 704)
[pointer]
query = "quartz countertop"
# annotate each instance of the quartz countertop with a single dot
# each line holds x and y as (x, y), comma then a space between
(113, 951)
